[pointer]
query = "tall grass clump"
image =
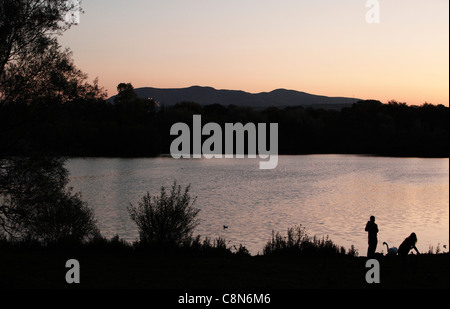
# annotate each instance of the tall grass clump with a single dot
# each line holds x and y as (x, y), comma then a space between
(297, 242)
(206, 247)
(167, 219)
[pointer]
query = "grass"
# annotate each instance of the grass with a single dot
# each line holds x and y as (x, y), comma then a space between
(209, 264)
(46, 269)
(298, 243)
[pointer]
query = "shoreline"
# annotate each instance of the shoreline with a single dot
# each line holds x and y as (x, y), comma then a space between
(168, 155)
(45, 269)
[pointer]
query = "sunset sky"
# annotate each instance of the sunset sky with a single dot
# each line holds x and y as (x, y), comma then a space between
(315, 46)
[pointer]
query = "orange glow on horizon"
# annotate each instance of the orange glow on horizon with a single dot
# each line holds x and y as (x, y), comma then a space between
(322, 48)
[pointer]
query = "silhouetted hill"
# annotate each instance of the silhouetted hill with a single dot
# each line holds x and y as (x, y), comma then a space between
(209, 95)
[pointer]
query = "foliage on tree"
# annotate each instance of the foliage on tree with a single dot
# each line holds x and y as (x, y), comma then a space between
(33, 66)
(35, 203)
(37, 77)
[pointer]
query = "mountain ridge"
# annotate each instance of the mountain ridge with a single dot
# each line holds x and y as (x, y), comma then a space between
(206, 95)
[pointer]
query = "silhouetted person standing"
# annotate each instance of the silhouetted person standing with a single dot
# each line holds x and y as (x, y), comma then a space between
(372, 228)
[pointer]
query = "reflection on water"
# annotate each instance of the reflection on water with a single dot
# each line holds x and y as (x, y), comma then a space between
(328, 194)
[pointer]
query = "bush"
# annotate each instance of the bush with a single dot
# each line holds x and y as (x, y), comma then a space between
(292, 243)
(196, 246)
(297, 242)
(115, 245)
(165, 220)
(66, 219)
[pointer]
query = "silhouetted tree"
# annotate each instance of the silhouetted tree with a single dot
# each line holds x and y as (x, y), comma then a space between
(36, 205)
(125, 94)
(33, 67)
(130, 108)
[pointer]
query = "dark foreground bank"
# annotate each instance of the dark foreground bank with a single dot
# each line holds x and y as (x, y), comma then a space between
(46, 269)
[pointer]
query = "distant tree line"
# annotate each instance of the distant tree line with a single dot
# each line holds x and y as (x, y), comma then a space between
(134, 127)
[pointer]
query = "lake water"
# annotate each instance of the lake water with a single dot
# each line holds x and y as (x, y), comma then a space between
(327, 194)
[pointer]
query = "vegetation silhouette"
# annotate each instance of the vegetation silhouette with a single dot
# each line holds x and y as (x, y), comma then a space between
(33, 66)
(298, 243)
(134, 127)
(166, 223)
(37, 76)
(165, 220)
(37, 206)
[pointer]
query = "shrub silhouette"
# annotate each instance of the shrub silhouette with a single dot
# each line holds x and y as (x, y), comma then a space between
(167, 219)
(297, 242)
(65, 220)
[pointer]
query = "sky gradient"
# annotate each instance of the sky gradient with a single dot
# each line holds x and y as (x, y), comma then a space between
(319, 47)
